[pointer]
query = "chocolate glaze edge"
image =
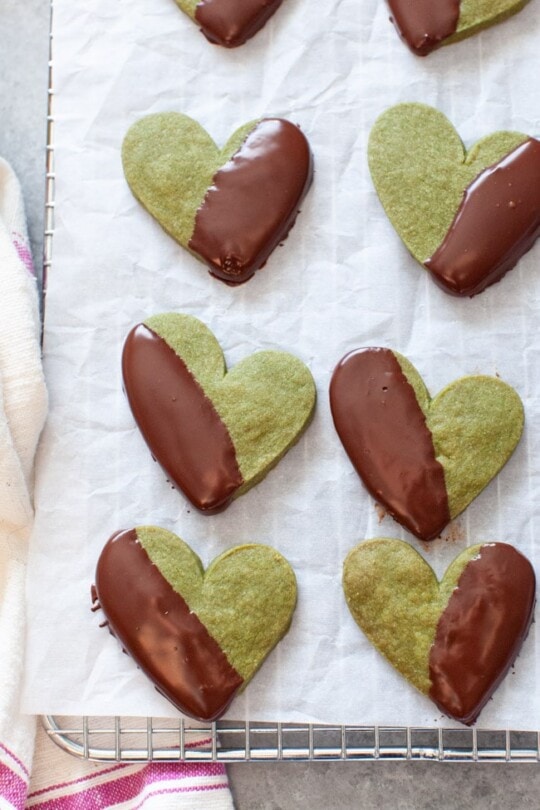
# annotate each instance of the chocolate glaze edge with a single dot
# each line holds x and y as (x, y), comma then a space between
(198, 457)
(469, 259)
(233, 24)
(424, 25)
(428, 514)
(457, 690)
(234, 254)
(159, 631)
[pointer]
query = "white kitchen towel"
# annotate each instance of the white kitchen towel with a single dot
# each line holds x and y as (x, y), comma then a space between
(61, 782)
(23, 403)
(54, 780)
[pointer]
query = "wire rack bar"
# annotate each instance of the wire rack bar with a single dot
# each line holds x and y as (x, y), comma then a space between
(151, 739)
(50, 176)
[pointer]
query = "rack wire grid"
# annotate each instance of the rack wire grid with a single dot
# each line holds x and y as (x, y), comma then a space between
(118, 739)
(121, 739)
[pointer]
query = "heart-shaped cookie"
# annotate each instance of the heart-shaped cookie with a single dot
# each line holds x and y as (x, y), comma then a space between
(466, 216)
(426, 24)
(229, 22)
(199, 636)
(424, 459)
(215, 433)
(230, 208)
(453, 640)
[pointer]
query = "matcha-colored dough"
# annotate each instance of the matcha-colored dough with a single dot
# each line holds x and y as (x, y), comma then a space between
(245, 599)
(474, 15)
(266, 401)
(169, 161)
(188, 6)
(420, 169)
(395, 598)
(476, 423)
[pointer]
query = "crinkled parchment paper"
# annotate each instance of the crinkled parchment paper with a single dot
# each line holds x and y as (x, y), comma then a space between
(341, 280)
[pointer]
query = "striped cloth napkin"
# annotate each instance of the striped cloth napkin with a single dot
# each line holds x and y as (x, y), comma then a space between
(61, 782)
(52, 779)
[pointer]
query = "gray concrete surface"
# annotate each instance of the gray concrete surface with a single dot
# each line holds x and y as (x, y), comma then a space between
(24, 53)
(385, 786)
(269, 786)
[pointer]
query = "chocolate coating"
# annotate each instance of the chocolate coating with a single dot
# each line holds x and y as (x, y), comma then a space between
(424, 24)
(232, 22)
(253, 201)
(497, 222)
(156, 627)
(178, 422)
(481, 630)
(384, 432)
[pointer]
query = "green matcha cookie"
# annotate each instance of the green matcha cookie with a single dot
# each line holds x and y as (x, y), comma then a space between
(229, 22)
(199, 636)
(215, 433)
(229, 207)
(454, 640)
(467, 216)
(426, 24)
(424, 459)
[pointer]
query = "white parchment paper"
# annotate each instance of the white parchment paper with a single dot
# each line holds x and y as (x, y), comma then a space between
(341, 280)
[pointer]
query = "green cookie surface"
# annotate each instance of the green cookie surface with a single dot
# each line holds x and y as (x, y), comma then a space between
(423, 459)
(230, 208)
(188, 6)
(420, 169)
(474, 15)
(198, 636)
(169, 161)
(425, 25)
(455, 639)
(266, 401)
(245, 599)
(476, 423)
(396, 599)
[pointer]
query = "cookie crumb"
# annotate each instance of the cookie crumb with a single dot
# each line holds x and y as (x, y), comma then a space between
(455, 533)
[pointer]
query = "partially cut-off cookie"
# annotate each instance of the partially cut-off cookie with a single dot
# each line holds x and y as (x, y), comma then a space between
(426, 24)
(423, 459)
(215, 433)
(468, 217)
(231, 207)
(454, 640)
(229, 22)
(199, 636)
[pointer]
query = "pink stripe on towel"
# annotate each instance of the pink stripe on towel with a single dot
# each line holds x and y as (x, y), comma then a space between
(79, 781)
(123, 788)
(23, 252)
(102, 772)
(194, 789)
(12, 787)
(16, 759)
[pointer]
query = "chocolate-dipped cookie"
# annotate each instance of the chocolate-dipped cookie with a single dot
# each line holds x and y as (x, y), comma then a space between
(215, 433)
(199, 636)
(423, 459)
(426, 24)
(467, 217)
(231, 207)
(454, 640)
(229, 22)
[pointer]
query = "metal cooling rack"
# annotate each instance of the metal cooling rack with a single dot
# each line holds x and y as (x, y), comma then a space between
(49, 172)
(108, 739)
(121, 739)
